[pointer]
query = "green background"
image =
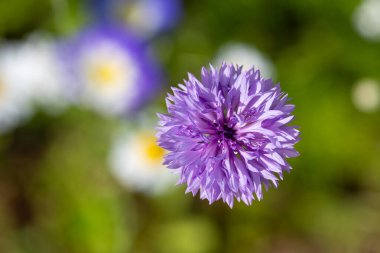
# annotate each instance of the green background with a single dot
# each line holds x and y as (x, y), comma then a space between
(56, 191)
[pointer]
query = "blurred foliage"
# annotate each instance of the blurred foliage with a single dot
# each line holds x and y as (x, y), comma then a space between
(57, 194)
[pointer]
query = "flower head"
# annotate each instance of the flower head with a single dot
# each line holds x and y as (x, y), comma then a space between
(366, 95)
(145, 18)
(227, 134)
(247, 56)
(150, 17)
(29, 76)
(366, 19)
(37, 67)
(136, 161)
(15, 99)
(111, 70)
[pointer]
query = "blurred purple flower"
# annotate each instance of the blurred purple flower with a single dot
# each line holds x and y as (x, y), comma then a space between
(145, 18)
(111, 70)
(227, 134)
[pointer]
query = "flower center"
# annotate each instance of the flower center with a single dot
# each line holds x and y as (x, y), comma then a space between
(150, 150)
(105, 74)
(1, 88)
(229, 133)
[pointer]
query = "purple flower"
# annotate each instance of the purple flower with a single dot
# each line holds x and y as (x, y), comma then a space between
(146, 18)
(227, 134)
(110, 70)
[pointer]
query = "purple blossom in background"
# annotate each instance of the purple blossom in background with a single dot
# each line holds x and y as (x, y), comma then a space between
(110, 70)
(227, 135)
(146, 18)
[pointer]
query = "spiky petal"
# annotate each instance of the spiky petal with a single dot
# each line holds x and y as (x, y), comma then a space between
(228, 134)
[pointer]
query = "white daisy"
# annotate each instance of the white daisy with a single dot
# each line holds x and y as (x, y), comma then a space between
(366, 95)
(366, 19)
(29, 75)
(109, 76)
(15, 99)
(136, 161)
(248, 56)
(39, 70)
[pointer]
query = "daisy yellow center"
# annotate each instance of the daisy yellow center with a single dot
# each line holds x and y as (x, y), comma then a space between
(105, 74)
(152, 152)
(1, 88)
(132, 14)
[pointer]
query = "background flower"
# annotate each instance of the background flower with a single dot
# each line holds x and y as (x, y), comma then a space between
(227, 134)
(136, 161)
(112, 70)
(366, 95)
(146, 18)
(30, 77)
(367, 20)
(246, 56)
(15, 99)
(40, 71)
